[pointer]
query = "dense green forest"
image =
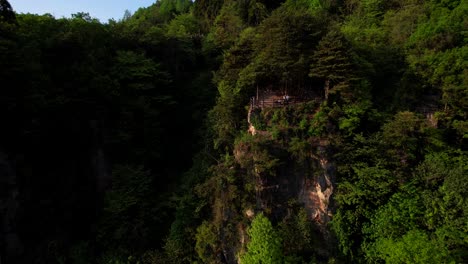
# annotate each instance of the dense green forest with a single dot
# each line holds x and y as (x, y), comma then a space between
(147, 139)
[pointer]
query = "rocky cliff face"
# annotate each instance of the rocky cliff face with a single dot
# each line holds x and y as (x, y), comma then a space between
(316, 196)
(316, 192)
(281, 176)
(310, 180)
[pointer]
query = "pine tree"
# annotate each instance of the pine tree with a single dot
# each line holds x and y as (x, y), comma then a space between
(332, 62)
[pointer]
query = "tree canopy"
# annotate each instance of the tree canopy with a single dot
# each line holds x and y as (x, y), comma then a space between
(145, 139)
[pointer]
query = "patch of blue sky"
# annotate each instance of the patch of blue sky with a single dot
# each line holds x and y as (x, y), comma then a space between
(100, 9)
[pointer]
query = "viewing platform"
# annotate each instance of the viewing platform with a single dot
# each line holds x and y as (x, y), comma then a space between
(269, 99)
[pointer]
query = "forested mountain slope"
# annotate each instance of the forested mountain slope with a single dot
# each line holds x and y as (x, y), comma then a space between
(297, 131)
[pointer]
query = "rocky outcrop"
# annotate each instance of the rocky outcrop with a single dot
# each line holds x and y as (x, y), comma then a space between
(308, 180)
(316, 192)
(287, 170)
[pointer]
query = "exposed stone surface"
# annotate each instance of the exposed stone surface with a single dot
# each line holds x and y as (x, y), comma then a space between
(249, 213)
(316, 194)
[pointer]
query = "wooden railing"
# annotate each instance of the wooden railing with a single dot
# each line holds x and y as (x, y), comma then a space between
(426, 110)
(279, 102)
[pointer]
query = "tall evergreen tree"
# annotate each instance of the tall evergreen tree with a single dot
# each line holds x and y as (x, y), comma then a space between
(332, 62)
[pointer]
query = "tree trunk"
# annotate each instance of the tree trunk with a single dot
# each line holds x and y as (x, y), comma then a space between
(327, 89)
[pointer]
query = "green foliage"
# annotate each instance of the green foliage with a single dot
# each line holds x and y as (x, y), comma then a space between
(297, 234)
(352, 117)
(360, 31)
(405, 127)
(400, 23)
(391, 55)
(183, 26)
(227, 26)
(414, 247)
(446, 208)
(413, 206)
(393, 125)
(262, 156)
(279, 51)
(206, 242)
(128, 212)
(313, 6)
(226, 116)
(265, 243)
(402, 213)
(441, 23)
(170, 8)
(252, 12)
(206, 11)
(257, 120)
(299, 148)
(318, 123)
(333, 64)
(138, 73)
